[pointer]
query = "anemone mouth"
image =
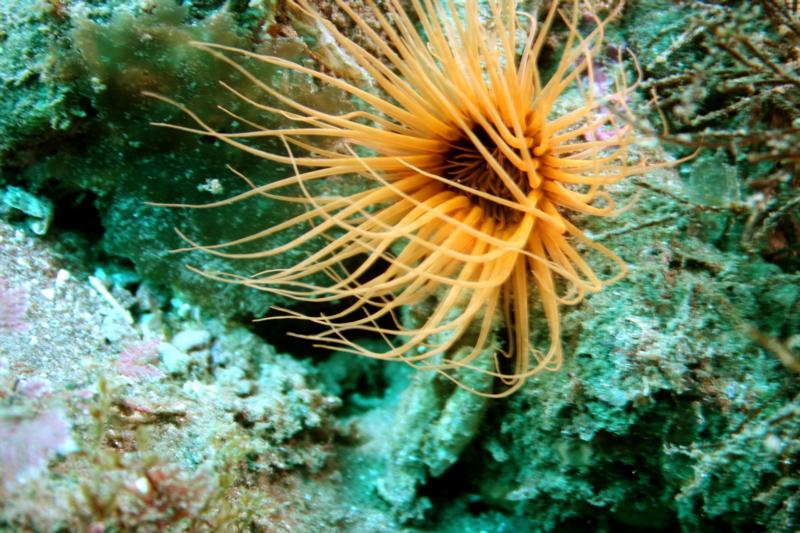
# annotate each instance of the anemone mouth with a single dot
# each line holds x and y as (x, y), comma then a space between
(463, 163)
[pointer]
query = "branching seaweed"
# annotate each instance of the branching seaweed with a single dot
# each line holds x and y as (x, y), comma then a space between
(740, 92)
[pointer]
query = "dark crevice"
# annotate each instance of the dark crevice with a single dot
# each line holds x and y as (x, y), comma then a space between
(286, 334)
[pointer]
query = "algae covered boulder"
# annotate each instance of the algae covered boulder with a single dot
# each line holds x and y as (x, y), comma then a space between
(88, 85)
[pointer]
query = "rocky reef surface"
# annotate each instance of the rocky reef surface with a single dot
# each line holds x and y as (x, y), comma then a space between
(136, 395)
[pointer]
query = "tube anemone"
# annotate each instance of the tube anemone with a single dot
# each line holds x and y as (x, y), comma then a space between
(471, 182)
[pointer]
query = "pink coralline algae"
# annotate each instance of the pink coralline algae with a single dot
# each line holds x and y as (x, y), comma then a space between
(28, 444)
(134, 361)
(13, 306)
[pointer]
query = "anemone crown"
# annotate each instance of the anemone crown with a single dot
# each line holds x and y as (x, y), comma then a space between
(472, 183)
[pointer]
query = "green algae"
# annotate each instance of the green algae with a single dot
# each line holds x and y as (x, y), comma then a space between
(115, 160)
